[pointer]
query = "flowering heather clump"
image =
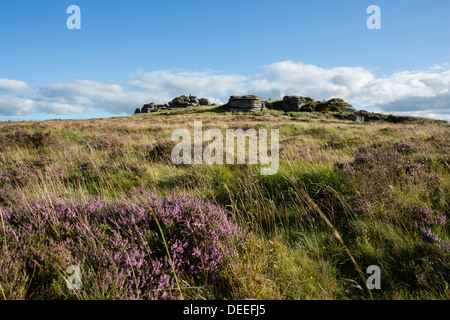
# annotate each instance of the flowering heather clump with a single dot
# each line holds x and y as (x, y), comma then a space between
(20, 137)
(106, 142)
(405, 147)
(430, 263)
(118, 246)
(13, 276)
(356, 205)
(4, 141)
(374, 170)
(425, 221)
(295, 154)
(19, 176)
(375, 158)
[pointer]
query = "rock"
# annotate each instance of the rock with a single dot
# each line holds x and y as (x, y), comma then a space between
(275, 105)
(269, 115)
(372, 117)
(293, 103)
(193, 101)
(307, 108)
(336, 101)
(204, 102)
(137, 111)
(397, 119)
(149, 107)
(245, 103)
(355, 117)
(184, 101)
(335, 105)
(165, 114)
(341, 104)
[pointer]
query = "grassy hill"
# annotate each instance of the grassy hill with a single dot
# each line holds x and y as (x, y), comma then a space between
(104, 194)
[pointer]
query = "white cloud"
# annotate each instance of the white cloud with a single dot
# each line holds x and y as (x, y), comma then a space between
(14, 106)
(423, 92)
(290, 78)
(164, 85)
(12, 86)
(84, 95)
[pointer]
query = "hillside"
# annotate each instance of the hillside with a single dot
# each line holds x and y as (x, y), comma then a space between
(104, 194)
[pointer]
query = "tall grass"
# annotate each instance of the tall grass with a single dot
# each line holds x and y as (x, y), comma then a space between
(346, 196)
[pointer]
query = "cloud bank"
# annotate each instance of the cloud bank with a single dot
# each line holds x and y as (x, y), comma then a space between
(421, 93)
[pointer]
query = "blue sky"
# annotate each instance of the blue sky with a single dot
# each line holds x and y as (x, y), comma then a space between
(128, 53)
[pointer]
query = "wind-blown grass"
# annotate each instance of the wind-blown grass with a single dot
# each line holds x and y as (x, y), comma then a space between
(72, 193)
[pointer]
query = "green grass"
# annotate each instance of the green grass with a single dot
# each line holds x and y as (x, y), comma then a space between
(289, 251)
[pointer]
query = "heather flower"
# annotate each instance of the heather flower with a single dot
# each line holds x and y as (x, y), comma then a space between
(356, 205)
(405, 147)
(106, 142)
(294, 154)
(413, 168)
(19, 176)
(118, 245)
(373, 171)
(425, 221)
(13, 275)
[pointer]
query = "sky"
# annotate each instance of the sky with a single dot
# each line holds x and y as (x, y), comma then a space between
(128, 53)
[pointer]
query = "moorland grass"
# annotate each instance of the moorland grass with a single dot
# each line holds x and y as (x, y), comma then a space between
(363, 177)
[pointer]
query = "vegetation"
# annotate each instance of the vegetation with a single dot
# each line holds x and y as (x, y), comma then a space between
(104, 195)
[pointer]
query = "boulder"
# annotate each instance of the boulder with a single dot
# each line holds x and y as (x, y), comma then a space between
(355, 117)
(184, 101)
(336, 101)
(293, 103)
(336, 105)
(371, 117)
(307, 108)
(204, 102)
(193, 101)
(149, 107)
(137, 111)
(275, 105)
(245, 103)
(398, 119)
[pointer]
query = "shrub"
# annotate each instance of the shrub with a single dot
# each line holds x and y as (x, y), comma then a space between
(118, 246)
(19, 137)
(160, 151)
(430, 262)
(373, 171)
(106, 142)
(291, 153)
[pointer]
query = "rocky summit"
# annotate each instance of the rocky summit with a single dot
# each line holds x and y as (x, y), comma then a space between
(336, 107)
(179, 102)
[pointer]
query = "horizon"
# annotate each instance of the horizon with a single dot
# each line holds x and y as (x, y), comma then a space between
(126, 55)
